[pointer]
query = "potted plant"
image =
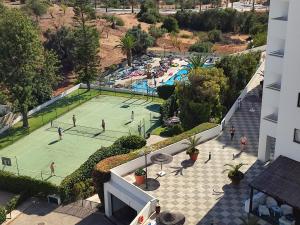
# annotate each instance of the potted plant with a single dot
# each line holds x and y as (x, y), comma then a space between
(249, 220)
(139, 176)
(234, 173)
(191, 150)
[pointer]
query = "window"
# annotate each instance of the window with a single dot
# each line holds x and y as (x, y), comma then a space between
(297, 136)
(298, 100)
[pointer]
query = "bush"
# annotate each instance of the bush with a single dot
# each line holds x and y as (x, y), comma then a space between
(170, 24)
(23, 184)
(13, 203)
(202, 47)
(156, 32)
(165, 91)
(172, 131)
(84, 189)
(215, 36)
(259, 39)
(2, 215)
(111, 18)
(131, 142)
(148, 12)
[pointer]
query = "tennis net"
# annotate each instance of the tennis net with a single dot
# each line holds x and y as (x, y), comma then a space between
(84, 130)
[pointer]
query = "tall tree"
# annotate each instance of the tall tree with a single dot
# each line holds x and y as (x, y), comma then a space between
(23, 62)
(87, 45)
(127, 43)
(36, 8)
(132, 3)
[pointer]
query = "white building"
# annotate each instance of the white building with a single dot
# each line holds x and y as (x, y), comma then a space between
(280, 115)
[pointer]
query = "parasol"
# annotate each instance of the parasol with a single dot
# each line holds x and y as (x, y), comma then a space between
(169, 218)
(161, 158)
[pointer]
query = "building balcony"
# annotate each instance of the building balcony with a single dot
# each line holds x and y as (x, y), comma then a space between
(274, 86)
(277, 53)
(281, 18)
(272, 117)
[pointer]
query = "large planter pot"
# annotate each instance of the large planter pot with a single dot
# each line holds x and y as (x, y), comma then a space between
(194, 156)
(235, 180)
(139, 180)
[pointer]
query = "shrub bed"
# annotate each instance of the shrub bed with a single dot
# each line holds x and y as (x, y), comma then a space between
(2, 215)
(131, 142)
(26, 185)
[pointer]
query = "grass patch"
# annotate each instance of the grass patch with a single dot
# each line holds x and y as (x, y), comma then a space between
(158, 130)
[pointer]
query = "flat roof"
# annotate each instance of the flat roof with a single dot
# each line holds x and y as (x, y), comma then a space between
(281, 180)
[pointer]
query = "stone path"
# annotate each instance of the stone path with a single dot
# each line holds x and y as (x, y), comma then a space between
(202, 191)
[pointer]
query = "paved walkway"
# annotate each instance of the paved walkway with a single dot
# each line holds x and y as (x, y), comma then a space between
(201, 191)
(42, 213)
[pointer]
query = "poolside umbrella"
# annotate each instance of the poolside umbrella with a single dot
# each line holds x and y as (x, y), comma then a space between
(173, 120)
(252, 99)
(169, 218)
(161, 158)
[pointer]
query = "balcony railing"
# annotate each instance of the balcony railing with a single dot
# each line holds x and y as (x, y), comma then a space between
(277, 53)
(274, 86)
(281, 18)
(272, 117)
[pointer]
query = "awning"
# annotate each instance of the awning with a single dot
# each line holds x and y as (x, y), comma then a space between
(281, 180)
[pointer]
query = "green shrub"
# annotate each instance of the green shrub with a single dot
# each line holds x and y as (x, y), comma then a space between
(165, 91)
(156, 32)
(23, 184)
(131, 142)
(215, 36)
(172, 131)
(2, 215)
(84, 189)
(202, 47)
(13, 203)
(111, 18)
(170, 24)
(148, 12)
(259, 39)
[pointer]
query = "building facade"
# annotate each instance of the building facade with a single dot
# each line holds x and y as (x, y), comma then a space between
(280, 115)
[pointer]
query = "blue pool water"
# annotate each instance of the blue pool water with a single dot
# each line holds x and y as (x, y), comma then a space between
(143, 87)
(176, 77)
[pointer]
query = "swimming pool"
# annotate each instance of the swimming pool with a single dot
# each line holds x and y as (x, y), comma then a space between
(142, 87)
(176, 77)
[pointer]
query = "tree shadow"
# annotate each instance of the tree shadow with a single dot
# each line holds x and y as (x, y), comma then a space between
(53, 142)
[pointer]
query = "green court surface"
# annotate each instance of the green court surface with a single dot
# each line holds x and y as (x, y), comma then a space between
(33, 154)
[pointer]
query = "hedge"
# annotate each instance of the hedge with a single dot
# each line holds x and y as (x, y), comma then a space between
(26, 185)
(13, 203)
(101, 173)
(131, 142)
(2, 215)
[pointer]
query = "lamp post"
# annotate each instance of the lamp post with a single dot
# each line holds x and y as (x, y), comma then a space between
(145, 153)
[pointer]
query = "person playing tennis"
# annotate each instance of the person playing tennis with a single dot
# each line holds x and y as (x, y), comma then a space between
(103, 125)
(132, 115)
(52, 169)
(74, 120)
(59, 130)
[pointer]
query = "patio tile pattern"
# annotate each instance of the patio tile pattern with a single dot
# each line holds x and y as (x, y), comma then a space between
(202, 191)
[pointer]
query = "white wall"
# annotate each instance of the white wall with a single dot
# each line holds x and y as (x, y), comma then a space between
(289, 113)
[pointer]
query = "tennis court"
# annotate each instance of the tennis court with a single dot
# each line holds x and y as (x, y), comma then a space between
(33, 154)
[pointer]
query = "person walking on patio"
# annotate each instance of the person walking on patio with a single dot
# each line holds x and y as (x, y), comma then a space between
(232, 131)
(243, 142)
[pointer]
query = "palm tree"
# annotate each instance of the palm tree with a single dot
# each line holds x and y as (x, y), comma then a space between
(197, 61)
(127, 43)
(132, 3)
(234, 169)
(191, 144)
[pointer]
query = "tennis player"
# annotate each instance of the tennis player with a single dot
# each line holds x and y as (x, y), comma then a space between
(132, 115)
(59, 130)
(103, 125)
(74, 120)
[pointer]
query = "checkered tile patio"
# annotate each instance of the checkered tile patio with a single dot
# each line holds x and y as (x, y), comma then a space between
(202, 192)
